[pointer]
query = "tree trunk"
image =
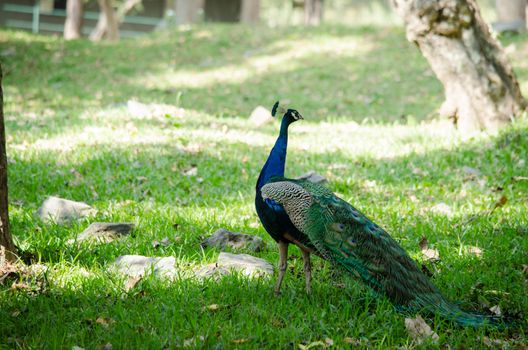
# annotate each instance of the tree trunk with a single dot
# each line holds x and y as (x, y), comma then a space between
(313, 12)
(186, 11)
(480, 87)
(250, 11)
(222, 10)
(511, 15)
(74, 19)
(7, 246)
(107, 26)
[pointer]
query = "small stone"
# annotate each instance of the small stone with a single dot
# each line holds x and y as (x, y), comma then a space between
(104, 232)
(227, 263)
(312, 176)
(61, 210)
(260, 116)
(247, 264)
(223, 238)
(419, 330)
(138, 265)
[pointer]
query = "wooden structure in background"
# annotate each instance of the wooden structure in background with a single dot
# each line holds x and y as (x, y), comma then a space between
(49, 16)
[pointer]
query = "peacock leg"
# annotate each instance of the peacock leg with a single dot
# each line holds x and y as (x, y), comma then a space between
(307, 270)
(283, 261)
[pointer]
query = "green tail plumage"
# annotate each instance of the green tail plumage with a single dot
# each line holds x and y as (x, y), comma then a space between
(347, 238)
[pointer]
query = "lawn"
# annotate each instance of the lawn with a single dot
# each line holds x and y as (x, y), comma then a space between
(189, 168)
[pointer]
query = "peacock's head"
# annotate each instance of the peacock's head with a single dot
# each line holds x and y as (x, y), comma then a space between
(291, 115)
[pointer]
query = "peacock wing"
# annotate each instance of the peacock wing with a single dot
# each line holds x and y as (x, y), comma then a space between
(353, 241)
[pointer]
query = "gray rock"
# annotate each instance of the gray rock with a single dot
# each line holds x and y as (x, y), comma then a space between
(312, 176)
(139, 265)
(61, 210)
(223, 238)
(260, 116)
(245, 264)
(104, 232)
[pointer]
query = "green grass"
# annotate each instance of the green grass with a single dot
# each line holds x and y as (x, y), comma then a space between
(369, 100)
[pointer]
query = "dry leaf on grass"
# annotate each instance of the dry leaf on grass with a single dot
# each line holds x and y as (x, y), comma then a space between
(493, 343)
(496, 310)
(430, 254)
(419, 330)
(212, 307)
(192, 341)
(312, 345)
(105, 322)
(239, 341)
(474, 250)
(500, 203)
(192, 171)
(352, 341)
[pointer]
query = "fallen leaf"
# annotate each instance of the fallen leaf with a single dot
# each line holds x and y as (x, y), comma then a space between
(163, 242)
(131, 282)
(212, 307)
(500, 203)
(15, 313)
(424, 243)
(496, 310)
(419, 330)
(192, 341)
(474, 250)
(192, 171)
(520, 178)
(312, 345)
(105, 322)
(430, 254)
(492, 343)
(239, 341)
(352, 341)
(16, 286)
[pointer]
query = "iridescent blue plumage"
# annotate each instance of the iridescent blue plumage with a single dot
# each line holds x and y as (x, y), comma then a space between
(313, 218)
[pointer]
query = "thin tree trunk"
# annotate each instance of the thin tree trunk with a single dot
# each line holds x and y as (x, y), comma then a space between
(222, 10)
(313, 12)
(74, 19)
(6, 241)
(107, 26)
(186, 11)
(250, 11)
(480, 87)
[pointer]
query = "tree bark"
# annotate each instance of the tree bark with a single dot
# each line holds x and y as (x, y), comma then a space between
(250, 11)
(222, 10)
(107, 26)
(7, 247)
(74, 19)
(480, 87)
(313, 12)
(186, 11)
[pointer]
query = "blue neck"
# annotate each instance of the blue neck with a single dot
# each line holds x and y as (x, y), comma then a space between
(277, 158)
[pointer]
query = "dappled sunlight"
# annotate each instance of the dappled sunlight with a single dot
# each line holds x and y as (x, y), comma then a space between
(288, 56)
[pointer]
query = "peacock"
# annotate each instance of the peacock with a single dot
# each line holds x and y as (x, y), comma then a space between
(313, 218)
